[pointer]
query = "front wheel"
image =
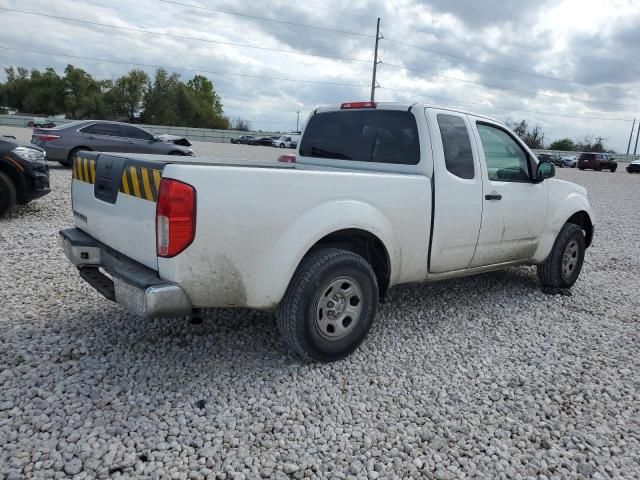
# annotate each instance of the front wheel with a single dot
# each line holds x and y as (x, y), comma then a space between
(329, 306)
(282, 145)
(8, 194)
(563, 265)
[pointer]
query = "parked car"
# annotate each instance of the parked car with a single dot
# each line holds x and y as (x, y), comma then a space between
(379, 195)
(569, 161)
(40, 123)
(24, 174)
(597, 161)
(243, 139)
(265, 141)
(555, 159)
(634, 167)
(62, 143)
(286, 141)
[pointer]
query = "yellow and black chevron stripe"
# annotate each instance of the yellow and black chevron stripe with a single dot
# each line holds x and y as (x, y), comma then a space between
(137, 181)
(141, 182)
(84, 169)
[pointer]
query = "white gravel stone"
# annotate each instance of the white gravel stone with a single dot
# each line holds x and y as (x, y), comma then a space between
(482, 377)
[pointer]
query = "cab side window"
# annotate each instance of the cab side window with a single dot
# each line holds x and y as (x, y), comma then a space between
(458, 156)
(506, 160)
(108, 129)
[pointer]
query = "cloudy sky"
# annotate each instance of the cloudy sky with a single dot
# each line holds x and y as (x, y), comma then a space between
(571, 66)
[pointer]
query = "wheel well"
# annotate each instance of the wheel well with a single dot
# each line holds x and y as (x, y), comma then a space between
(16, 178)
(583, 220)
(368, 246)
(75, 150)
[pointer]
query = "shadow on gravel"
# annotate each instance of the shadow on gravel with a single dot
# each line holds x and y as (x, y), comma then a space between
(240, 345)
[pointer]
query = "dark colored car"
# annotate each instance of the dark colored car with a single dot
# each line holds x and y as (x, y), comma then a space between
(634, 167)
(243, 140)
(40, 123)
(62, 143)
(265, 141)
(597, 161)
(24, 174)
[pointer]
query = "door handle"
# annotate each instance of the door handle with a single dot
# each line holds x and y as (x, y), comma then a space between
(493, 196)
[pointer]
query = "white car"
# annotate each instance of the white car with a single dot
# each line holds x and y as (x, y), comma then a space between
(287, 141)
(571, 162)
(380, 195)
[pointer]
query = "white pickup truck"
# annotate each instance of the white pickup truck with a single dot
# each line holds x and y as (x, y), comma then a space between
(379, 195)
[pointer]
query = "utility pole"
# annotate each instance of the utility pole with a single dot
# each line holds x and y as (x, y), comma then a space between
(631, 135)
(298, 123)
(635, 149)
(375, 62)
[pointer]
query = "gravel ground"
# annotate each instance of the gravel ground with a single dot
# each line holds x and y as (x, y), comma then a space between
(482, 377)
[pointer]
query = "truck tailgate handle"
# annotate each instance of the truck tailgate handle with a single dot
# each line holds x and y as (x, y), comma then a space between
(493, 196)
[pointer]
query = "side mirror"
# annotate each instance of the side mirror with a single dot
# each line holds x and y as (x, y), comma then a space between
(545, 170)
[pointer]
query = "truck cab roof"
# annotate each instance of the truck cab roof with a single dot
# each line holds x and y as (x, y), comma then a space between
(402, 106)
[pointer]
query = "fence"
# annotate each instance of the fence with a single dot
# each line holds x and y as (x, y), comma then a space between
(194, 134)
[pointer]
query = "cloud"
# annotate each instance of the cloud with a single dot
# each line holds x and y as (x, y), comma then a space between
(595, 52)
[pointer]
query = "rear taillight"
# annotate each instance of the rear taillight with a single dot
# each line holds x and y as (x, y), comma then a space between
(351, 105)
(287, 158)
(46, 138)
(175, 217)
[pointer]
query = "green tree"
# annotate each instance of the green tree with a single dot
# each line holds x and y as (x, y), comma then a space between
(128, 93)
(161, 98)
(563, 144)
(84, 96)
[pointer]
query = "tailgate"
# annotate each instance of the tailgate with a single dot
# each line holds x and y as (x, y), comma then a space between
(114, 201)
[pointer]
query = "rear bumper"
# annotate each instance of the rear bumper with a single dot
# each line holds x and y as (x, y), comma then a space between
(137, 288)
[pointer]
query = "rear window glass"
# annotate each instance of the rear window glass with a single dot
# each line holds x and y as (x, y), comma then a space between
(380, 136)
(458, 156)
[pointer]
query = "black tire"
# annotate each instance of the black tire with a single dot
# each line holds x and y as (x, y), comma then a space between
(581, 168)
(175, 152)
(8, 194)
(613, 169)
(307, 304)
(282, 145)
(554, 272)
(72, 154)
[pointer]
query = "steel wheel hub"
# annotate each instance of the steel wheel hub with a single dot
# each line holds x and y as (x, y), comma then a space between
(570, 258)
(339, 308)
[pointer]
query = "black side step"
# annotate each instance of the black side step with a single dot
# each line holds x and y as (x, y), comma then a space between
(98, 280)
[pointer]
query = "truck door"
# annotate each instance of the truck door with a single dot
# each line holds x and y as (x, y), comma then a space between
(457, 189)
(514, 206)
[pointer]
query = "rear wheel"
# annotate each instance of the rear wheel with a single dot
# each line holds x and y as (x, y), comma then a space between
(329, 305)
(613, 169)
(8, 194)
(562, 268)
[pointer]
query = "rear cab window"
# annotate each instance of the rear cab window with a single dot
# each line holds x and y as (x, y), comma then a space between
(366, 135)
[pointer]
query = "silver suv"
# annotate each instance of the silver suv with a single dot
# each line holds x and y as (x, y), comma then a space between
(63, 142)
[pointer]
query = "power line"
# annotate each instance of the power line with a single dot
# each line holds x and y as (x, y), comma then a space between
(528, 92)
(502, 67)
(505, 108)
(167, 67)
(264, 19)
(181, 37)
